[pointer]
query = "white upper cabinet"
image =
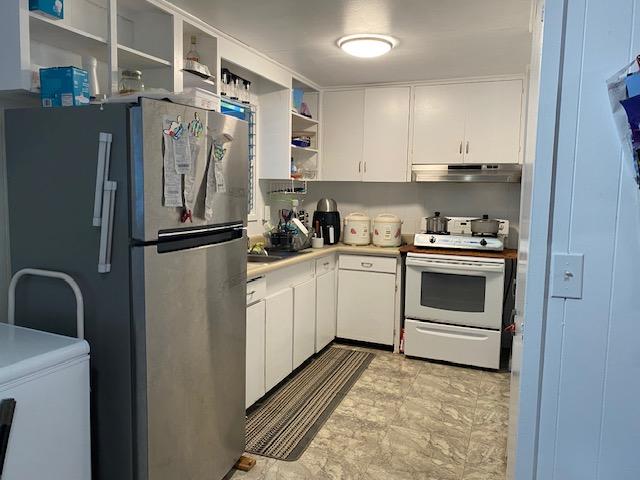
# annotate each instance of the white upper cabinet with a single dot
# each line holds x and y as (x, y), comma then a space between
(471, 123)
(343, 127)
(493, 122)
(438, 124)
(386, 134)
(366, 134)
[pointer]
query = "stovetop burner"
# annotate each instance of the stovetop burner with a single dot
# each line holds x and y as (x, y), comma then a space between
(431, 232)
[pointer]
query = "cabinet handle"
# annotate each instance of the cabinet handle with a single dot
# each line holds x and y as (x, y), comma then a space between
(326, 264)
(359, 167)
(251, 292)
(461, 148)
(365, 167)
(366, 264)
(467, 146)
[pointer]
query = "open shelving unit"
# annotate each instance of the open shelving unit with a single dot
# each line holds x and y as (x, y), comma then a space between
(305, 160)
(66, 37)
(207, 47)
(135, 59)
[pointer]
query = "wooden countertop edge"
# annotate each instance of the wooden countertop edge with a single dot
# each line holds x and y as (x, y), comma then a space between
(259, 269)
(507, 253)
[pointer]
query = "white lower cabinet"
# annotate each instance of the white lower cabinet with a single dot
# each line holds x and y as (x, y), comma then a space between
(366, 299)
(325, 309)
(278, 337)
(255, 386)
(304, 321)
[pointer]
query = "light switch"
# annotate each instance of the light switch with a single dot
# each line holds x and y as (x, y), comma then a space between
(566, 280)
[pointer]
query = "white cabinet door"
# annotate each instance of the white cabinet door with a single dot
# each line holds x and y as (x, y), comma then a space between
(386, 134)
(278, 337)
(255, 352)
(304, 321)
(493, 122)
(325, 309)
(342, 127)
(366, 302)
(438, 125)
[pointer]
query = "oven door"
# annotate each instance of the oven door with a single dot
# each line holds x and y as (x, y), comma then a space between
(466, 291)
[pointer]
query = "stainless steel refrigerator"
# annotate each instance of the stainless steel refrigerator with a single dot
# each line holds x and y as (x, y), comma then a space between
(164, 293)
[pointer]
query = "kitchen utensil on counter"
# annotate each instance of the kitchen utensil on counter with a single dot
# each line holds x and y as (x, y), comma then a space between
(317, 242)
(387, 229)
(485, 226)
(327, 218)
(357, 229)
(290, 234)
(437, 224)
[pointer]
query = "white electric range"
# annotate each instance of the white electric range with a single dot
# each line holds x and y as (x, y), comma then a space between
(454, 303)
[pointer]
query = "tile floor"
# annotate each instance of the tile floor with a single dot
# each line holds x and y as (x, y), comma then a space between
(407, 419)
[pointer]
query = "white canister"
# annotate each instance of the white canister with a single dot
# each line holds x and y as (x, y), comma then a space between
(387, 230)
(357, 229)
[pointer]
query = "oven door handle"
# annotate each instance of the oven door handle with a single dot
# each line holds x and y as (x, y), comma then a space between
(427, 265)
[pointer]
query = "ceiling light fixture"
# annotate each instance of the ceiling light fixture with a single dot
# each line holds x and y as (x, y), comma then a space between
(367, 45)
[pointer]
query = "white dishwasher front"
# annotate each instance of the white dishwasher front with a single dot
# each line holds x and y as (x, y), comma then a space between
(366, 298)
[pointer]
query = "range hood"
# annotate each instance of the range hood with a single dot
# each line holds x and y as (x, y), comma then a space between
(467, 173)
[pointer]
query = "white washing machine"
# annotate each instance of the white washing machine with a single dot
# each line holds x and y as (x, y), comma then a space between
(48, 377)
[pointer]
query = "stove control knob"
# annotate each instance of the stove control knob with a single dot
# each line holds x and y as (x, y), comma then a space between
(483, 242)
(432, 239)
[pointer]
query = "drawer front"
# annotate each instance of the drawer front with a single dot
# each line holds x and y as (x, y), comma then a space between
(291, 276)
(464, 345)
(325, 264)
(256, 290)
(367, 263)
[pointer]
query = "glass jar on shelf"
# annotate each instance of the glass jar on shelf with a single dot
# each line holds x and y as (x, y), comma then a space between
(246, 91)
(225, 83)
(131, 82)
(192, 54)
(236, 87)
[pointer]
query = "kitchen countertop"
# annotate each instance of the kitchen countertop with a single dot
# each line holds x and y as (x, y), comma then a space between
(255, 269)
(507, 253)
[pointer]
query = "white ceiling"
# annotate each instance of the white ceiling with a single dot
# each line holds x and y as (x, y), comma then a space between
(437, 38)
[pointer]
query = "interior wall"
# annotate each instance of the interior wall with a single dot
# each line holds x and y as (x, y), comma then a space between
(589, 415)
(412, 202)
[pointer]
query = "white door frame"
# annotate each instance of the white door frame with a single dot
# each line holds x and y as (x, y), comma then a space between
(540, 171)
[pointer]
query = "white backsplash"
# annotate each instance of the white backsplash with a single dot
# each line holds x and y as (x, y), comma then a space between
(412, 202)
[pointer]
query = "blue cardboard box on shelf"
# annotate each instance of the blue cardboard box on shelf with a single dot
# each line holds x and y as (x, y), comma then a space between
(64, 87)
(51, 8)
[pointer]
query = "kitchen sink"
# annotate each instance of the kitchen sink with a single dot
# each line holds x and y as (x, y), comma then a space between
(273, 257)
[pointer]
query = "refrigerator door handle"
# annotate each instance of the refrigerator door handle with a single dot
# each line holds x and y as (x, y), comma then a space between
(106, 229)
(102, 173)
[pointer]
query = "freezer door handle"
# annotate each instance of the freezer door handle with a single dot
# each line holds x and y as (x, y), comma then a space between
(106, 229)
(102, 173)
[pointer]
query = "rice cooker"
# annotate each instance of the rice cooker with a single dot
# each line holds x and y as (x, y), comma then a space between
(357, 229)
(387, 230)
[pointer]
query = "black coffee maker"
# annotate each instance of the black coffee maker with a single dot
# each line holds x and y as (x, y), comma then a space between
(326, 218)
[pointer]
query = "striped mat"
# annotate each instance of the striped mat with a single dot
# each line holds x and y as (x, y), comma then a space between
(284, 425)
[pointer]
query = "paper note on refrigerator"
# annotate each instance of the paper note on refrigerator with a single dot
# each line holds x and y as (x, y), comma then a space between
(172, 180)
(190, 177)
